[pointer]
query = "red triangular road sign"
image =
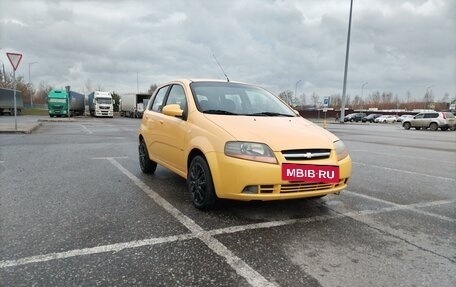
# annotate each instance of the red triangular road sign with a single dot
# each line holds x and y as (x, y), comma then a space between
(14, 59)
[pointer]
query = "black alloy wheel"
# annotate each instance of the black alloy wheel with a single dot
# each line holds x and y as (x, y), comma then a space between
(200, 184)
(146, 164)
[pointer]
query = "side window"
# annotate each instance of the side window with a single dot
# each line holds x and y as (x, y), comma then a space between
(177, 96)
(419, 116)
(157, 103)
(431, 115)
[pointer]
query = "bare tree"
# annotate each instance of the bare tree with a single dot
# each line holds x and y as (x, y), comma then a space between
(41, 93)
(286, 95)
(152, 89)
(336, 101)
(315, 99)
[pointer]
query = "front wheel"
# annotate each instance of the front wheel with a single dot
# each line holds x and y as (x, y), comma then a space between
(406, 125)
(200, 184)
(146, 164)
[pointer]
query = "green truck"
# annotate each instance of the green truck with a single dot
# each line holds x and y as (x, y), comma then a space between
(57, 103)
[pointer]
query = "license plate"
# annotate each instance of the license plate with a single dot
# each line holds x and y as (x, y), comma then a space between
(310, 173)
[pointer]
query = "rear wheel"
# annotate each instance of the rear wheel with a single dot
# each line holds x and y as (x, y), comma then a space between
(433, 126)
(200, 184)
(146, 164)
(417, 128)
(406, 125)
(444, 129)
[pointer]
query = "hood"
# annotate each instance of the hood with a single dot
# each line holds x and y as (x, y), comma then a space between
(279, 133)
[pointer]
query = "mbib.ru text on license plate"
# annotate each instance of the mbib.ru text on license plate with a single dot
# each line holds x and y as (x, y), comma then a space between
(310, 173)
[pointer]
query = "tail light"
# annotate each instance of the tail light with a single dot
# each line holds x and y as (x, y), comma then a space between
(444, 116)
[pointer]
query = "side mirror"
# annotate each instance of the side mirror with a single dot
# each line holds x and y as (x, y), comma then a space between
(173, 110)
(113, 102)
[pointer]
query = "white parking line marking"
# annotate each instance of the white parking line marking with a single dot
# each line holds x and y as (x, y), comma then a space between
(86, 129)
(110, 157)
(404, 171)
(94, 250)
(241, 268)
(413, 207)
(252, 276)
(227, 230)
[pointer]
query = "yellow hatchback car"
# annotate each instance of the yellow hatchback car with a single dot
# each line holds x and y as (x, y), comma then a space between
(238, 141)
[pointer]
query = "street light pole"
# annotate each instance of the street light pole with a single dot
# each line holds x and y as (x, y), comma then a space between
(342, 112)
(362, 90)
(30, 82)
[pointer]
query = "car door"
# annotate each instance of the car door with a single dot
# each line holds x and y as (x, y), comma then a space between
(150, 125)
(172, 131)
(417, 120)
(428, 118)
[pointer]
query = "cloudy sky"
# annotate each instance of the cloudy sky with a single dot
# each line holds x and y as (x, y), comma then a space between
(396, 46)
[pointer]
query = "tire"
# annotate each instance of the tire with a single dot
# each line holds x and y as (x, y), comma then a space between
(145, 163)
(200, 184)
(417, 128)
(433, 126)
(406, 125)
(444, 129)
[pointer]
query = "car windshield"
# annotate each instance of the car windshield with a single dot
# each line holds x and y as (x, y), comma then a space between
(227, 98)
(106, 101)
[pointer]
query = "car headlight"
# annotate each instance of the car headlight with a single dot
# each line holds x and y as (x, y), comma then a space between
(341, 150)
(250, 151)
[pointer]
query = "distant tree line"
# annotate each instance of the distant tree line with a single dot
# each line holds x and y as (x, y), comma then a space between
(377, 99)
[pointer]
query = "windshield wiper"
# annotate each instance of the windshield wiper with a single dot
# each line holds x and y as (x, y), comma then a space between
(270, 114)
(219, 112)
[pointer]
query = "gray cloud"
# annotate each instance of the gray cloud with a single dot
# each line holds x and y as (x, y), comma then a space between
(396, 46)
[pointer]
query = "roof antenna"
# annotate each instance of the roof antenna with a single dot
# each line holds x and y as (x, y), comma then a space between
(213, 55)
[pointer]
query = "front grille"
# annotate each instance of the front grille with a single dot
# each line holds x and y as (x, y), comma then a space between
(306, 154)
(298, 187)
(104, 108)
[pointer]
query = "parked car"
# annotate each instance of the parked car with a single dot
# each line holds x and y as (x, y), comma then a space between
(354, 117)
(370, 118)
(238, 141)
(401, 118)
(431, 120)
(386, 119)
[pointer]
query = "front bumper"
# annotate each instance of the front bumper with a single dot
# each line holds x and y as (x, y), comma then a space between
(231, 176)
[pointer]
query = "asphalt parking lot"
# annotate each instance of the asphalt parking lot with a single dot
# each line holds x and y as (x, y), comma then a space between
(77, 211)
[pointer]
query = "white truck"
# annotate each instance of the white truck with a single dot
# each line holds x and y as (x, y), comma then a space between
(101, 104)
(132, 105)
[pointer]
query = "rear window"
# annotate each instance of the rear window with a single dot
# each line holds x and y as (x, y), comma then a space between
(449, 115)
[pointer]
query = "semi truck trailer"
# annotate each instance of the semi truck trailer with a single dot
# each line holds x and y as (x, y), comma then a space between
(132, 105)
(77, 106)
(101, 104)
(7, 102)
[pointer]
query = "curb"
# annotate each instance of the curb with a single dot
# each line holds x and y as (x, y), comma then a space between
(21, 129)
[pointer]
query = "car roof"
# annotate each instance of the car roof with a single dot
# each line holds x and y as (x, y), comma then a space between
(197, 80)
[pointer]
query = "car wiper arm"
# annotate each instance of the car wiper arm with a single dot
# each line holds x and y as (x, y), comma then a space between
(270, 114)
(219, 112)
